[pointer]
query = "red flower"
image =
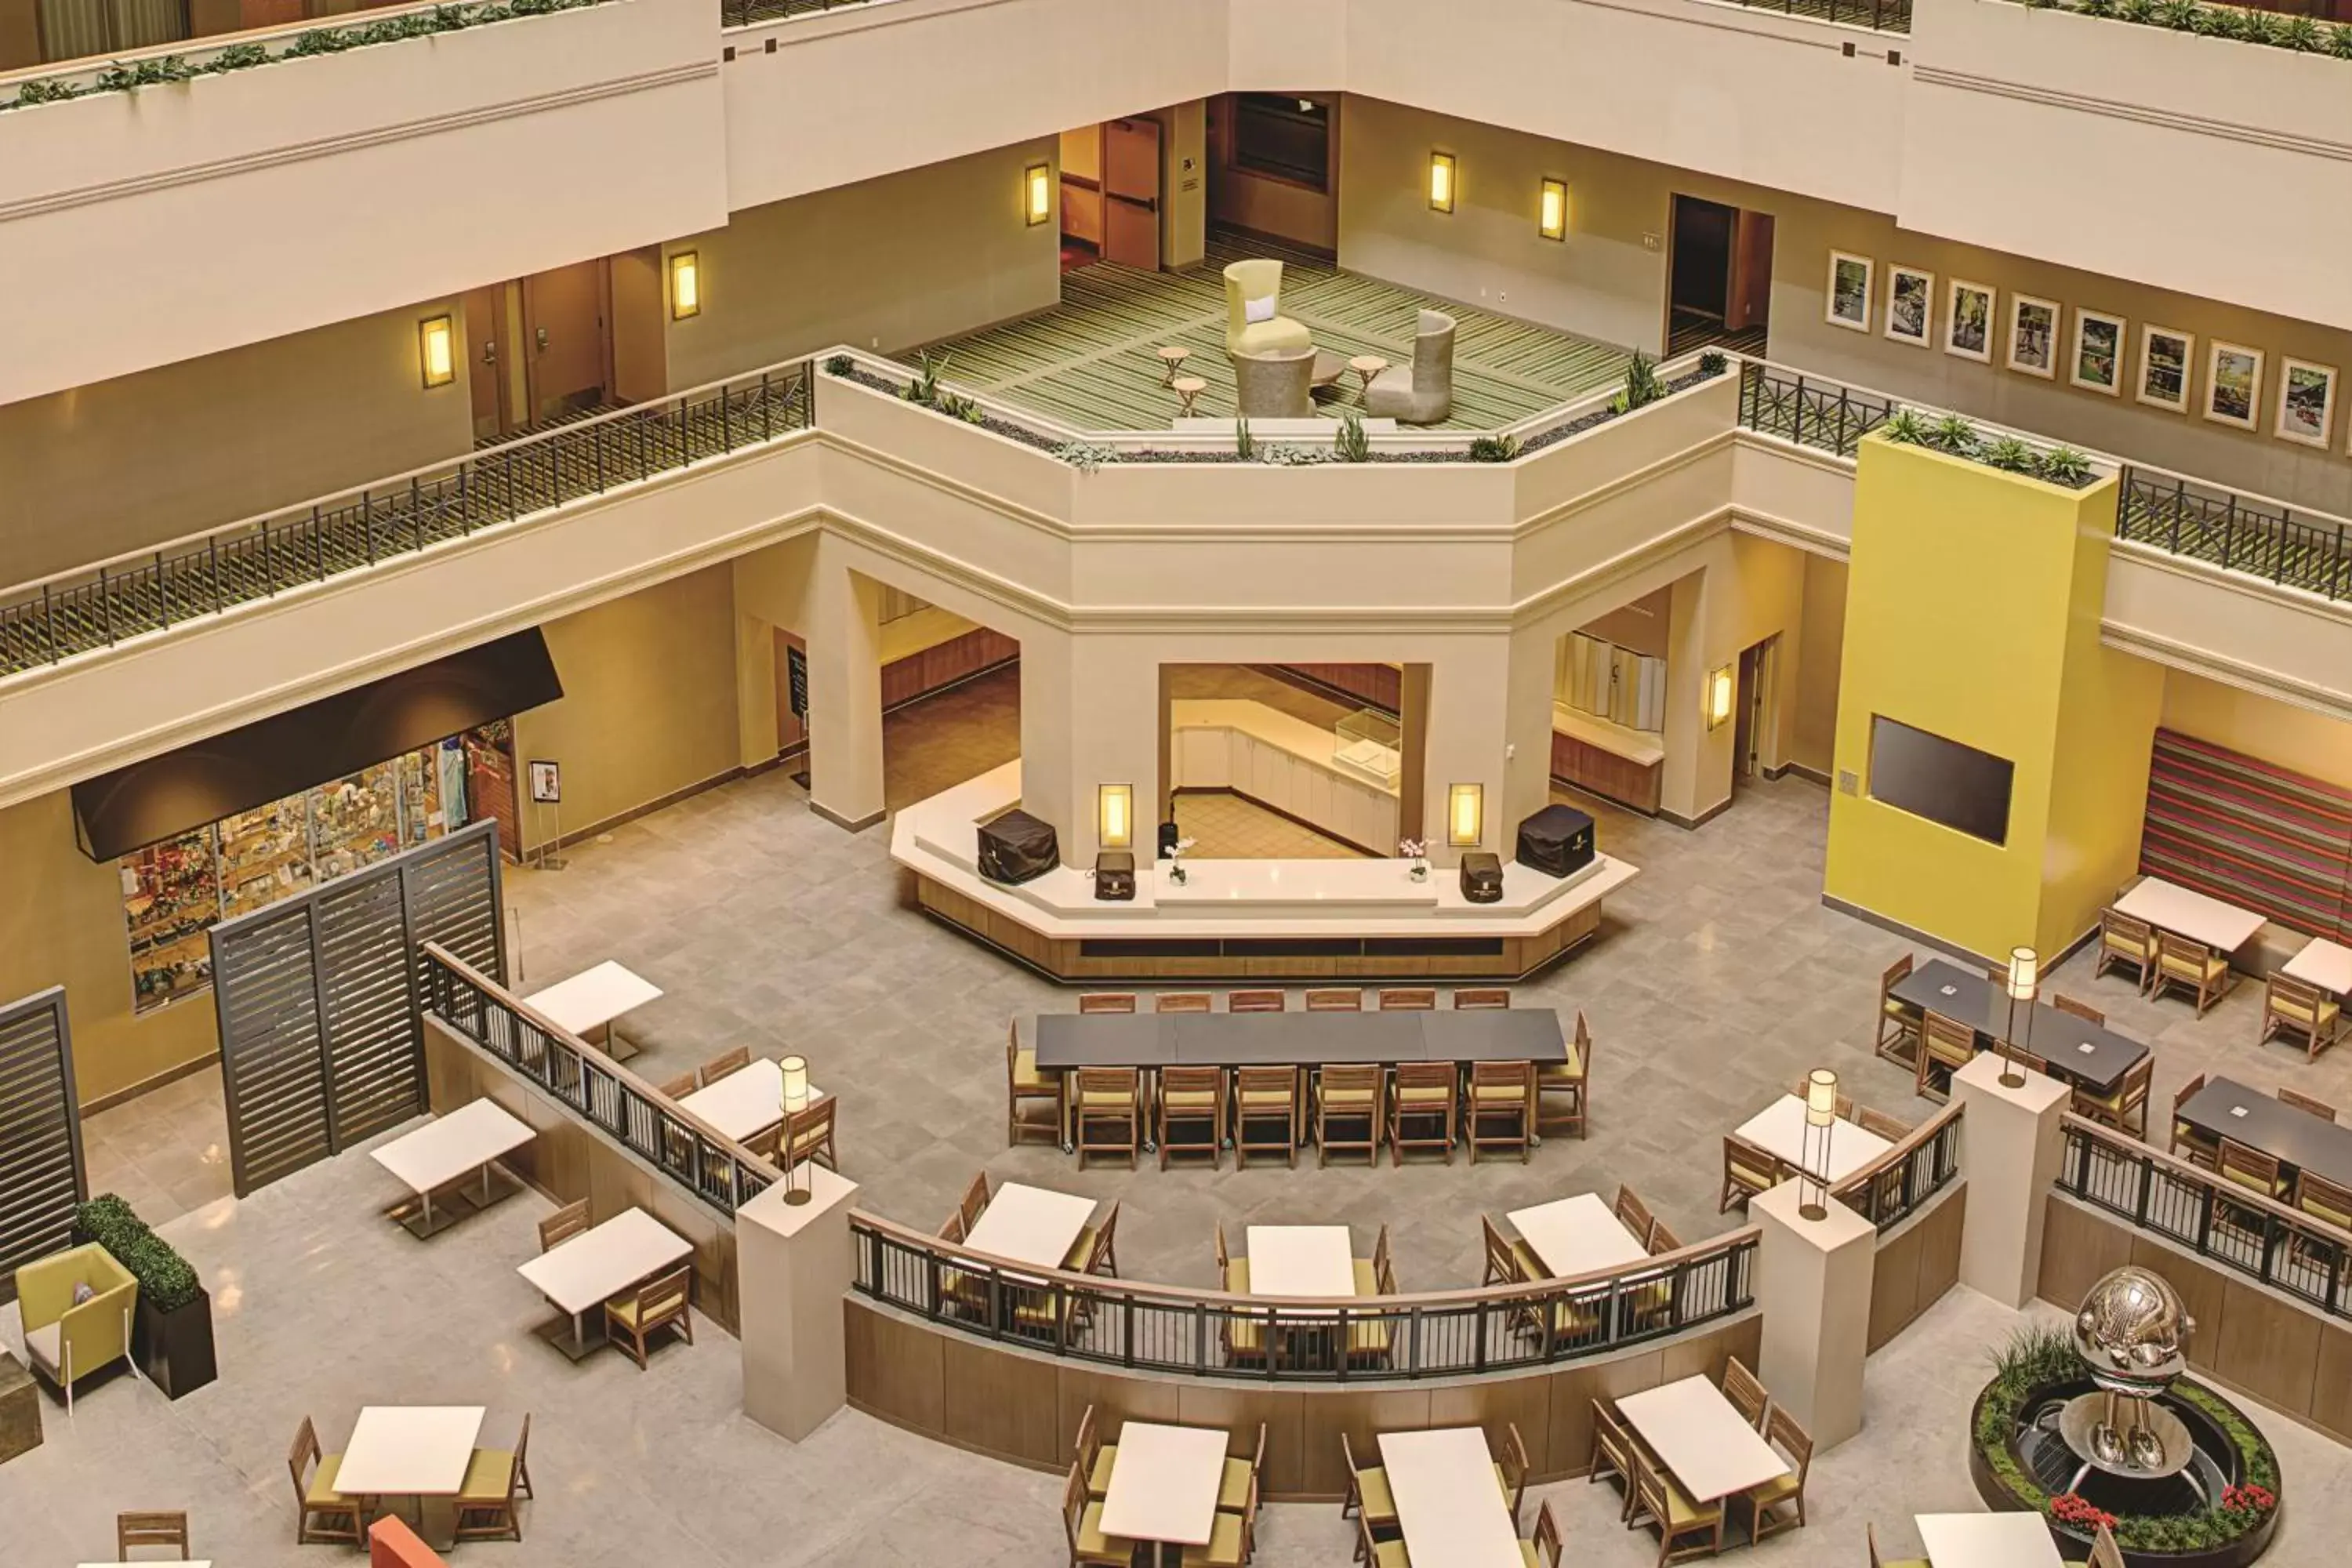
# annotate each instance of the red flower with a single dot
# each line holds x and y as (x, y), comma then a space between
(2070, 1507)
(2248, 1497)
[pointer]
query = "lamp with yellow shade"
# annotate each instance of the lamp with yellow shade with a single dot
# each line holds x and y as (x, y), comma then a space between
(1551, 210)
(1465, 814)
(794, 1069)
(2023, 986)
(1115, 815)
(1820, 1120)
(1441, 181)
(436, 350)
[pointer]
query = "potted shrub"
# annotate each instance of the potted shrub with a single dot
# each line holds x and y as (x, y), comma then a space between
(172, 1331)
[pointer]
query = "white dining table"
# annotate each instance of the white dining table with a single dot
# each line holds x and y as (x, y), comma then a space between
(589, 1002)
(1030, 1224)
(1449, 1502)
(1301, 1260)
(1779, 1129)
(600, 1263)
(2323, 963)
(409, 1450)
(1577, 1236)
(748, 1100)
(1163, 1484)
(470, 1138)
(1988, 1541)
(2184, 912)
(1712, 1449)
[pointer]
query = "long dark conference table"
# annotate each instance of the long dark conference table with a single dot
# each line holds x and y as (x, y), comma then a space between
(2089, 1054)
(2300, 1141)
(1291, 1039)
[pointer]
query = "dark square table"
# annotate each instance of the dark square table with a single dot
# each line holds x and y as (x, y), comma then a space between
(2300, 1141)
(2059, 1037)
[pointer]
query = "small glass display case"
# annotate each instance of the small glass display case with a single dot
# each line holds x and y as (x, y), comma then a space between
(1368, 744)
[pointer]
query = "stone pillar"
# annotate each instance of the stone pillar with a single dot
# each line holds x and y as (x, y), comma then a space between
(1812, 1281)
(793, 1267)
(2015, 1141)
(845, 718)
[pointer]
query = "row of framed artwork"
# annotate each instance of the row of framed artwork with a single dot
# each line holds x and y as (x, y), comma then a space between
(2234, 374)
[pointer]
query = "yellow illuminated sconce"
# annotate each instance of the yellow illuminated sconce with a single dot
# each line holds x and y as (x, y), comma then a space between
(1037, 194)
(1465, 814)
(436, 348)
(685, 285)
(1718, 697)
(794, 1072)
(1551, 212)
(1115, 813)
(1441, 181)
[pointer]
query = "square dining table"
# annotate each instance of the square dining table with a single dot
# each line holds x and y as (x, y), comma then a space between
(415, 1451)
(582, 1274)
(1577, 1236)
(1988, 1541)
(1030, 1224)
(1163, 1486)
(748, 1100)
(1780, 1130)
(469, 1139)
(2184, 912)
(1449, 1502)
(1712, 1449)
(2323, 963)
(589, 1002)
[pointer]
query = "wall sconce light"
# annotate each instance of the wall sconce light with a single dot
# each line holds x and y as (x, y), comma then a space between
(1115, 813)
(1551, 215)
(1820, 1120)
(1037, 194)
(1441, 180)
(1720, 688)
(436, 350)
(1465, 814)
(685, 285)
(2025, 984)
(795, 1101)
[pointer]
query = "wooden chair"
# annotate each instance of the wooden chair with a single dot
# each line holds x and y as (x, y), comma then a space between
(1025, 1085)
(1240, 1335)
(1497, 1112)
(1368, 1497)
(1376, 1275)
(2330, 1202)
(1336, 999)
(1241, 1476)
(1106, 1002)
(1375, 1553)
(1745, 1392)
(1613, 1455)
(1408, 998)
(632, 1319)
(2105, 1553)
(952, 1230)
(1844, 1107)
(159, 1529)
(1424, 1094)
(2191, 966)
(1894, 1129)
(2065, 1003)
(1946, 1044)
(1233, 1537)
(722, 1064)
(1898, 1021)
(1475, 998)
(1511, 1471)
(1507, 1262)
(1662, 1239)
(1183, 1001)
(1748, 1170)
(1350, 1096)
(2197, 1148)
(1632, 1211)
(1256, 1000)
(2318, 1108)
(1870, 1534)
(1659, 1500)
(563, 1226)
(1191, 1099)
(768, 1142)
(1097, 1250)
(1265, 1097)
(975, 1202)
(1572, 1078)
(1780, 1504)
(681, 1087)
(808, 1135)
(2128, 941)
(2299, 1007)
(1095, 1458)
(1109, 1112)
(488, 1499)
(1544, 1543)
(320, 1513)
(1082, 1524)
(2125, 1109)
(2252, 1169)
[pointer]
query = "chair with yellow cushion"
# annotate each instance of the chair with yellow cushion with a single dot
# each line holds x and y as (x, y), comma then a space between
(1106, 1002)
(1242, 1336)
(1255, 1001)
(1241, 1476)
(1481, 998)
(68, 1339)
(1348, 1110)
(496, 1481)
(1191, 1109)
(1183, 1001)
(631, 1319)
(1748, 1170)
(1375, 1552)
(808, 1135)
(1496, 1114)
(2128, 941)
(1097, 1250)
(1095, 1458)
(2331, 1203)
(1370, 1337)
(2190, 967)
(1541, 1550)
(2252, 1171)
(1231, 1536)
(1109, 1112)
(1511, 1470)
(1335, 999)
(1746, 1392)
(1898, 1021)
(2304, 1103)
(1870, 1533)
(2124, 1108)
(2196, 1147)
(1660, 1501)
(975, 1202)
(1780, 1504)
(320, 1513)
(1509, 1262)
(1571, 1081)
(1612, 1455)
(1082, 1525)
(1025, 1085)
(1946, 1046)
(1376, 1275)
(1408, 998)
(1265, 1113)
(1369, 1497)
(1423, 1098)
(2299, 1007)
(1253, 302)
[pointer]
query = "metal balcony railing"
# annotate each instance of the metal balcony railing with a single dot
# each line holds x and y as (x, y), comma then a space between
(1879, 15)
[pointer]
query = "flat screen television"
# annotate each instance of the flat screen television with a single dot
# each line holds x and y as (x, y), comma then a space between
(1943, 781)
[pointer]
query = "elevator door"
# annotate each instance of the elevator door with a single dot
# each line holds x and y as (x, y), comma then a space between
(568, 351)
(1131, 222)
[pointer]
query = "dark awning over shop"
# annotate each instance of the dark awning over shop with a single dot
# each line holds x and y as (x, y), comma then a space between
(336, 736)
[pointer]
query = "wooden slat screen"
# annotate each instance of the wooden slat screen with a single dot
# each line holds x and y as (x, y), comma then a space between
(41, 1176)
(273, 1051)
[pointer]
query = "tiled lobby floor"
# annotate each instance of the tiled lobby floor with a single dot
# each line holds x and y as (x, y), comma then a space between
(166, 1152)
(1226, 827)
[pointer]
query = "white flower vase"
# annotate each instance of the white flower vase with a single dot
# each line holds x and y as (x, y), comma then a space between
(1419, 872)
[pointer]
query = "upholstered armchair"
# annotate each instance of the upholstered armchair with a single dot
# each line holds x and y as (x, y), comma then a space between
(1253, 295)
(68, 1339)
(1423, 395)
(1277, 385)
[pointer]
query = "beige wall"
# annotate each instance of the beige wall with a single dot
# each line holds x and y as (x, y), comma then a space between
(886, 263)
(143, 460)
(648, 704)
(1640, 626)
(1813, 691)
(2311, 743)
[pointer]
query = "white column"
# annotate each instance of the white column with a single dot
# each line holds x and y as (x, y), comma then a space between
(2014, 1139)
(793, 1267)
(1812, 1282)
(844, 655)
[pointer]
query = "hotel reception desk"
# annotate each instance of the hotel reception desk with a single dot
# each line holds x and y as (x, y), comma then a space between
(1240, 920)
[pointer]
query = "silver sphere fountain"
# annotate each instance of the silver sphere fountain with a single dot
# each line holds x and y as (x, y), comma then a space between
(2131, 1333)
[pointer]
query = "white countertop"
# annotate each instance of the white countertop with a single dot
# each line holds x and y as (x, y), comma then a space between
(746, 1101)
(409, 1450)
(605, 1260)
(2323, 964)
(1988, 1541)
(592, 998)
(1164, 1483)
(2186, 913)
(1709, 1447)
(1637, 746)
(1308, 743)
(1449, 1502)
(1577, 1236)
(1030, 1224)
(1301, 1260)
(1779, 1129)
(451, 1146)
(937, 838)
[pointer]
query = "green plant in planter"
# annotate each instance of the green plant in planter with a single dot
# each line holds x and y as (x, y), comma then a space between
(1351, 445)
(1908, 428)
(2140, 11)
(1712, 363)
(924, 388)
(1245, 447)
(2339, 40)
(1084, 458)
(2096, 7)
(1642, 385)
(2181, 15)
(2064, 466)
(320, 41)
(2011, 456)
(2302, 35)
(1954, 436)
(235, 58)
(166, 1282)
(1494, 448)
(839, 364)
(116, 77)
(54, 92)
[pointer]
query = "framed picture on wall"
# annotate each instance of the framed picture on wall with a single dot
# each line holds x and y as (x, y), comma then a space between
(2034, 335)
(2164, 367)
(2098, 357)
(2306, 405)
(1849, 291)
(1910, 304)
(2234, 384)
(1968, 331)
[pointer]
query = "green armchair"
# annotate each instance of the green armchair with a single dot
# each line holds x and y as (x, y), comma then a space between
(67, 1340)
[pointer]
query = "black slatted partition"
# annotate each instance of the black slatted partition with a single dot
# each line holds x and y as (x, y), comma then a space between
(318, 1000)
(41, 1176)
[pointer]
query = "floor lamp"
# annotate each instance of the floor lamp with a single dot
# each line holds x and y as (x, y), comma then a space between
(796, 1099)
(2024, 986)
(1813, 1162)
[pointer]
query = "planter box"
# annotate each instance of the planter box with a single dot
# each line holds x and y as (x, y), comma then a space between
(174, 1348)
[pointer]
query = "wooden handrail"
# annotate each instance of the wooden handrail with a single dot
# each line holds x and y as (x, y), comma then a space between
(2183, 1171)
(1918, 1138)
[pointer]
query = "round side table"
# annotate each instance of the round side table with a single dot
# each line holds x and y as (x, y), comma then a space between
(1186, 388)
(1171, 358)
(1368, 366)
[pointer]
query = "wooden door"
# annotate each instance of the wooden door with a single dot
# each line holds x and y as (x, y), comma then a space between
(567, 349)
(1130, 217)
(1750, 303)
(486, 350)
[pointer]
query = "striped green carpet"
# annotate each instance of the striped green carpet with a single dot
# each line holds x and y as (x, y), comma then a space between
(1093, 360)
